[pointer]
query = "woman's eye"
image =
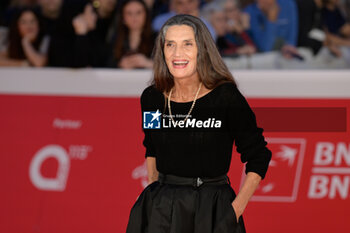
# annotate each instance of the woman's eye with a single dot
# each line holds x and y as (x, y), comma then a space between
(169, 45)
(188, 44)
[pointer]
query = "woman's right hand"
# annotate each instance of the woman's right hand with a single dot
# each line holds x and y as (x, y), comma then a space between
(151, 169)
(85, 22)
(246, 50)
(135, 61)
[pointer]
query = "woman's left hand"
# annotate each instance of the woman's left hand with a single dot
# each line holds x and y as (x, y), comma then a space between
(237, 210)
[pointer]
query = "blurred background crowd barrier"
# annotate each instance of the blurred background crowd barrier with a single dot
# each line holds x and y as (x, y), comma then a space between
(72, 160)
(250, 34)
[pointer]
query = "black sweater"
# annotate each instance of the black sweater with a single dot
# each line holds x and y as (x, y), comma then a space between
(203, 147)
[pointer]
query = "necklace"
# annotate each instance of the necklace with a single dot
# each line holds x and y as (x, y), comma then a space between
(188, 114)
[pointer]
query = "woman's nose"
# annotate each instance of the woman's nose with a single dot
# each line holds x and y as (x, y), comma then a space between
(178, 51)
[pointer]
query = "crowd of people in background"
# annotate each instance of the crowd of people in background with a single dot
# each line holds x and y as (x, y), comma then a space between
(121, 33)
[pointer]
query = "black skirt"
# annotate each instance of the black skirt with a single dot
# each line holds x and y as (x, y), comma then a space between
(169, 208)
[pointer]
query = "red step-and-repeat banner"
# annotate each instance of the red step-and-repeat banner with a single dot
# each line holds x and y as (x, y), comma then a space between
(76, 164)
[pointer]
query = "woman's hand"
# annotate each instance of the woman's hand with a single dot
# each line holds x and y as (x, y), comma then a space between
(246, 50)
(141, 61)
(270, 9)
(135, 61)
(85, 22)
(251, 182)
(125, 63)
(237, 209)
(33, 57)
(30, 37)
(289, 50)
(80, 25)
(151, 169)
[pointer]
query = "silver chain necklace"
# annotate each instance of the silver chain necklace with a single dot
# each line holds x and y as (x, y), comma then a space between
(188, 114)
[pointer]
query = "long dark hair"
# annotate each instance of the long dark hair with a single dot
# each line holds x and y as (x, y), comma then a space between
(15, 49)
(210, 66)
(145, 46)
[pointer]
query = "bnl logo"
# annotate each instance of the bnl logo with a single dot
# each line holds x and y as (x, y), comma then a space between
(151, 120)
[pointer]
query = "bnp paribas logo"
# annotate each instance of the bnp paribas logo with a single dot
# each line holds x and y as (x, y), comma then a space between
(151, 120)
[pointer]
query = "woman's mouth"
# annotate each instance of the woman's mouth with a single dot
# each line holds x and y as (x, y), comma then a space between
(180, 64)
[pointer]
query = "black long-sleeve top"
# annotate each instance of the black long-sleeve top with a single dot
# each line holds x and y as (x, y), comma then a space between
(203, 147)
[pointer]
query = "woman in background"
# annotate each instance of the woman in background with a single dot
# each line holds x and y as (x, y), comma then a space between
(27, 43)
(135, 38)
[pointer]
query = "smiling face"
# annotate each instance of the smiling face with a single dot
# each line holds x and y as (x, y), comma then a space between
(180, 52)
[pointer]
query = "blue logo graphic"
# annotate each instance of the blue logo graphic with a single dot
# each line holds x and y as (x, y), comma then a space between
(151, 120)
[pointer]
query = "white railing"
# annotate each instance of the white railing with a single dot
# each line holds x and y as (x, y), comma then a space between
(115, 82)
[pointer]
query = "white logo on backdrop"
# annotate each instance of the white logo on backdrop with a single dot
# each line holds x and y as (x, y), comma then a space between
(45, 183)
(331, 172)
(57, 152)
(140, 172)
(66, 124)
(287, 154)
(283, 178)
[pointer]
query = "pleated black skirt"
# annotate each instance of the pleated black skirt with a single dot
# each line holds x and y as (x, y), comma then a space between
(168, 208)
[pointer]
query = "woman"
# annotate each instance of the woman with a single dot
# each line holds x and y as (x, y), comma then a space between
(133, 45)
(189, 157)
(27, 44)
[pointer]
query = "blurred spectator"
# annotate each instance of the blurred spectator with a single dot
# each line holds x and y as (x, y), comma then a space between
(310, 34)
(57, 18)
(215, 15)
(337, 29)
(27, 43)
(159, 7)
(238, 25)
(226, 19)
(274, 25)
(3, 7)
(333, 20)
(238, 21)
(135, 38)
(12, 7)
(190, 7)
(344, 6)
(93, 29)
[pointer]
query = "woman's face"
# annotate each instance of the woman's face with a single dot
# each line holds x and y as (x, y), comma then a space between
(231, 10)
(28, 25)
(180, 51)
(134, 15)
(218, 20)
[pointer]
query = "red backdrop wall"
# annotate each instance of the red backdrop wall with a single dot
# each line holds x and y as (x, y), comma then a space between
(75, 164)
